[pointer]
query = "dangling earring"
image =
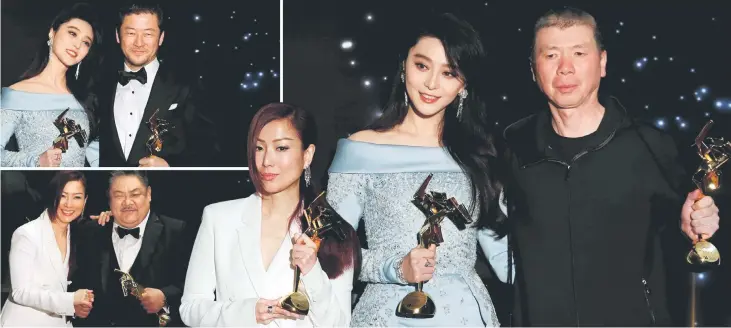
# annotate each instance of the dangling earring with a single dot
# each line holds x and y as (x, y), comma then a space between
(50, 47)
(462, 96)
(78, 66)
(308, 176)
(406, 96)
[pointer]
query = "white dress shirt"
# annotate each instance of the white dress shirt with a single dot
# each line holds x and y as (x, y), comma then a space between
(128, 247)
(129, 105)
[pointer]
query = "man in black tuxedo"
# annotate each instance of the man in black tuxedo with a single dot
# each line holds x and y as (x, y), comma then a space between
(144, 87)
(152, 248)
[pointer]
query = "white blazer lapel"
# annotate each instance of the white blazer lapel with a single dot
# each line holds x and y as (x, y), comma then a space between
(249, 236)
(50, 248)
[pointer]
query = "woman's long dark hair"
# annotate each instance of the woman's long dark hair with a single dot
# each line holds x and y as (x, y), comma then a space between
(53, 200)
(470, 140)
(334, 255)
(81, 88)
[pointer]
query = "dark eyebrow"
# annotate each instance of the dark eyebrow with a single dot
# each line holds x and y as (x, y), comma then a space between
(78, 30)
(424, 57)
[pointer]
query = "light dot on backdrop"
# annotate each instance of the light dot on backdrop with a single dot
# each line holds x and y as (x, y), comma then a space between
(256, 84)
(261, 73)
(275, 75)
(234, 12)
(654, 37)
(232, 17)
(385, 78)
(655, 58)
(692, 70)
(682, 97)
(660, 123)
(346, 45)
(367, 83)
(248, 74)
(204, 42)
(520, 30)
(623, 80)
(708, 114)
(505, 98)
(617, 30)
(236, 48)
(197, 51)
(647, 106)
(196, 18)
(352, 63)
(621, 23)
(369, 17)
(671, 58)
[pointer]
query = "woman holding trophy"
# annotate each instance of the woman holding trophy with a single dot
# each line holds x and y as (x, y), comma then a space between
(50, 111)
(248, 251)
(432, 136)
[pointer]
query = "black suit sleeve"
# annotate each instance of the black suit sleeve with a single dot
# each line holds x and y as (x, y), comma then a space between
(202, 146)
(180, 253)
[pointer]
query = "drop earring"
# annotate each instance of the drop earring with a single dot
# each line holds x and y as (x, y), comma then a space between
(78, 66)
(462, 96)
(308, 176)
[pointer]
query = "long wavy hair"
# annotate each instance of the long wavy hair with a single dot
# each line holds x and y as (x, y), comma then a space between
(334, 255)
(470, 141)
(81, 87)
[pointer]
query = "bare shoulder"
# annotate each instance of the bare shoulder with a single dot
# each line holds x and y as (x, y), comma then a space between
(371, 136)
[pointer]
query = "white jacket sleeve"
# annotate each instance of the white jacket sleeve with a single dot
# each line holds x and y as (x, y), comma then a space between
(496, 249)
(22, 271)
(198, 306)
(331, 298)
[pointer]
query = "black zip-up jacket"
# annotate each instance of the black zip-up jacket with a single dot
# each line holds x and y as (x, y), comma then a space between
(590, 236)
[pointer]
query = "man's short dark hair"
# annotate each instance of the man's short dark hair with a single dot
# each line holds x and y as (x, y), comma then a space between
(566, 17)
(142, 8)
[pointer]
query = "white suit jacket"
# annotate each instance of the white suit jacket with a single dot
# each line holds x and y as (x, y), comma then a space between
(226, 258)
(38, 278)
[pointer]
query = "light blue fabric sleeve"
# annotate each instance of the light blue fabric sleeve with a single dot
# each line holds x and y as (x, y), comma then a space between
(9, 121)
(92, 153)
(344, 194)
(496, 249)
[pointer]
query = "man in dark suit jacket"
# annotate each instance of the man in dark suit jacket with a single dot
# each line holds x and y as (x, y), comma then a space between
(146, 89)
(152, 248)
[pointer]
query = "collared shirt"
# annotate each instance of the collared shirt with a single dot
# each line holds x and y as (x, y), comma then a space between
(128, 247)
(129, 105)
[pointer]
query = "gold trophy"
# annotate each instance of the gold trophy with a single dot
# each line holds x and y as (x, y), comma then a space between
(159, 127)
(322, 222)
(714, 152)
(435, 206)
(130, 286)
(68, 129)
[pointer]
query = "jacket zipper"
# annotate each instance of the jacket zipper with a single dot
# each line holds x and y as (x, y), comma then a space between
(647, 300)
(571, 239)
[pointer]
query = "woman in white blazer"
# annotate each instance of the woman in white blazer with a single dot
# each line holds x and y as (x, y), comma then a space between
(40, 253)
(245, 251)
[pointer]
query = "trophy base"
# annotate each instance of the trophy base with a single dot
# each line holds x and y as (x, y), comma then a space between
(163, 319)
(416, 305)
(296, 303)
(704, 254)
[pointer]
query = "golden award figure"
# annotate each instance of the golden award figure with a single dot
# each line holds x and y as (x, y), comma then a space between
(159, 127)
(322, 222)
(714, 152)
(68, 129)
(130, 286)
(435, 206)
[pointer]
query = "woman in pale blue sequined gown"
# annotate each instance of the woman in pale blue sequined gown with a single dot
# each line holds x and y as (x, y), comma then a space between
(431, 123)
(54, 83)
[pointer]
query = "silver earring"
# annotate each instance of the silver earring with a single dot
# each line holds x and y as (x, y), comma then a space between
(78, 66)
(462, 96)
(308, 176)
(406, 99)
(50, 47)
(403, 78)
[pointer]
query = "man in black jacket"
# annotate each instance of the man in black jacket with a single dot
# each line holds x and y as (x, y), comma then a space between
(154, 249)
(592, 194)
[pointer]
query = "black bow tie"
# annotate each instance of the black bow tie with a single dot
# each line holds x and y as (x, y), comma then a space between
(125, 77)
(132, 232)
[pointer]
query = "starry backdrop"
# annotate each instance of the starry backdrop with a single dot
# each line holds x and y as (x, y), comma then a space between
(667, 63)
(229, 49)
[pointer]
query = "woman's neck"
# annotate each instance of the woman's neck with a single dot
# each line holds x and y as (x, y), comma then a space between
(280, 206)
(423, 128)
(60, 228)
(54, 75)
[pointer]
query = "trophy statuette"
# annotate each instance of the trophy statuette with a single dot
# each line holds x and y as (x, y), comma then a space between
(435, 206)
(130, 286)
(714, 152)
(159, 127)
(322, 222)
(68, 129)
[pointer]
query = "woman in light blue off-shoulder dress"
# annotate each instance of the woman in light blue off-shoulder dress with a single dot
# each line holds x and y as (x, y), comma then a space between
(434, 123)
(55, 88)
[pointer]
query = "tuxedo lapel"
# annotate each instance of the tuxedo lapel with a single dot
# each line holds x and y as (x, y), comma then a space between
(153, 230)
(111, 92)
(107, 255)
(162, 91)
(249, 236)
